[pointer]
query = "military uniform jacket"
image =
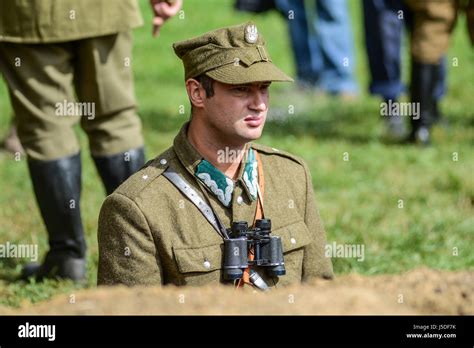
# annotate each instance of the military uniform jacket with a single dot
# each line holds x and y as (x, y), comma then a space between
(151, 234)
(50, 21)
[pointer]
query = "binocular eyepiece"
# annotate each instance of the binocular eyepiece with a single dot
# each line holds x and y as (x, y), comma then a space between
(267, 250)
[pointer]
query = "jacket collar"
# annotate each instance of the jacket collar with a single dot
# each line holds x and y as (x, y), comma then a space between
(221, 186)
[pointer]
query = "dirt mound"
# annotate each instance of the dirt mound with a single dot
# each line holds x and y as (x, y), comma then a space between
(420, 291)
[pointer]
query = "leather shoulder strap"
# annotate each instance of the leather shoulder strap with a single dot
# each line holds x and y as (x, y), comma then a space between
(196, 199)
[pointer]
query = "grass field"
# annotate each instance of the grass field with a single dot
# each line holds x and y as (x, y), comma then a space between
(359, 199)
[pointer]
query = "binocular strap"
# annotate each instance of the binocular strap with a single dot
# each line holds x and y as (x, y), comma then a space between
(250, 276)
(196, 199)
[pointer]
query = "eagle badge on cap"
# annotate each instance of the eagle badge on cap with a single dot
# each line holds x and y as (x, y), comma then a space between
(251, 33)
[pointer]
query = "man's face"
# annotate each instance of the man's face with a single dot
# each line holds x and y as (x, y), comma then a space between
(237, 113)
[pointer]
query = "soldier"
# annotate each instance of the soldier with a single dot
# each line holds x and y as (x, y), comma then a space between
(51, 50)
(166, 223)
(433, 23)
(384, 21)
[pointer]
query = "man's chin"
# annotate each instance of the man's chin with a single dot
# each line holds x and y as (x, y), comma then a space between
(252, 134)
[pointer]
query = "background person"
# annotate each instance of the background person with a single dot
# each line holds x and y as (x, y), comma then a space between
(50, 52)
(323, 45)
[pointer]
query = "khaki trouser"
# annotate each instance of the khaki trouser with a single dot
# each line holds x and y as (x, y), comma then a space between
(55, 86)
(434, 21)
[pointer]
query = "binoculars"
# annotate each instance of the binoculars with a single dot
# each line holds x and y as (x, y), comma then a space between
(267, 250)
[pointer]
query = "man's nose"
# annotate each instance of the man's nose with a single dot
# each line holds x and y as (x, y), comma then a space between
(259, 101)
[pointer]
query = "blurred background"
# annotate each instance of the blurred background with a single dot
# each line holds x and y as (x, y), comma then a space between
(359, 178)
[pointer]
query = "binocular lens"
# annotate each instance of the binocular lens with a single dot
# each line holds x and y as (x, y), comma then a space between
(235, 258)
(233, 273)
(277, 271)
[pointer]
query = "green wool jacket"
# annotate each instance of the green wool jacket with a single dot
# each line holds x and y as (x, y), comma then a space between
(151, 234)
(50, 21)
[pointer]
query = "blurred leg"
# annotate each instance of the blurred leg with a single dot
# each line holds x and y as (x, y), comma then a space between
(423, 82)
(39, 78)
(104, 80)
(439, 88)
(383, 23)
(295, 13)
(334, 40)
(383, 35)
(433, 22)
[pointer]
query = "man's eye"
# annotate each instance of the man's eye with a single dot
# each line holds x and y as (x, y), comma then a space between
(241, 89)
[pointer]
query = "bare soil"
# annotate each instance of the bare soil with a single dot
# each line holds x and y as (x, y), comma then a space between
(420, 291)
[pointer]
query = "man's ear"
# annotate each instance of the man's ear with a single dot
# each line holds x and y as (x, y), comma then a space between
(196, 93)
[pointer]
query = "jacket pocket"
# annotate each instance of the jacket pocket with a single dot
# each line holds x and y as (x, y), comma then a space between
(199, 259)
(293, 236)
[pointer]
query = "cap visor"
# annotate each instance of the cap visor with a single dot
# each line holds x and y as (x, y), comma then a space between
(258, 72)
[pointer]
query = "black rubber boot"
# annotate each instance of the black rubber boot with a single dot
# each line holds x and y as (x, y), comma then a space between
(57, 187)
(115, 169)
(423, 82)
(57, 267)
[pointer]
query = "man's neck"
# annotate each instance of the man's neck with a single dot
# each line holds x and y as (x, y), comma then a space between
(222, 156)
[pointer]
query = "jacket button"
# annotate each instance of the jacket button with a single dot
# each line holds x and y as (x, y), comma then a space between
(163, 161)
(207, 264)
(240, 200)
(293, 241)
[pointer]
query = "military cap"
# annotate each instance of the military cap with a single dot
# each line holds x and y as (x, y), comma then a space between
(232, 55)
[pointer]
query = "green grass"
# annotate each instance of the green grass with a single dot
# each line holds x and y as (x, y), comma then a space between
(358, 198)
